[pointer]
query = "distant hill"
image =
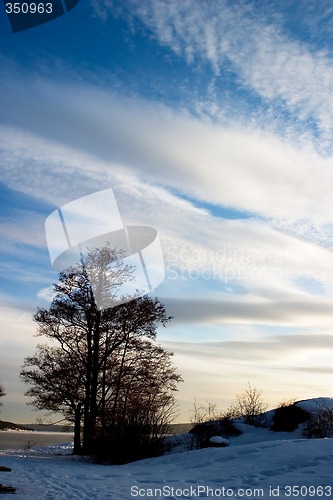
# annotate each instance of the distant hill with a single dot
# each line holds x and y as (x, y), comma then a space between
(4, 426)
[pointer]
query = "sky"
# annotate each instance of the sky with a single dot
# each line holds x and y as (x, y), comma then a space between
(212, 122)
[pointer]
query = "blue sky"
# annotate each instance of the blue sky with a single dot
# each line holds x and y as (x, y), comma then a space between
(212, 122)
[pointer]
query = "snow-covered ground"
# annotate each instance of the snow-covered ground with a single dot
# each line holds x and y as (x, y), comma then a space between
(257, 464)
(315, 404)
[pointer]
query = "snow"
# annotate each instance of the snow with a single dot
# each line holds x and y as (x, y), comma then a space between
(50, 473)
(219, 440)
(257, 464)
(316, 404)
(268, 417)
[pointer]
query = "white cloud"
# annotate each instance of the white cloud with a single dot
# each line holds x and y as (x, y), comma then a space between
(23, 228)
(99, 136)
(276, 350)
(144, 151)
(46, 294)
(284, 366)
(267, 60)
(16, 342)
(17, 325)
(305, 312)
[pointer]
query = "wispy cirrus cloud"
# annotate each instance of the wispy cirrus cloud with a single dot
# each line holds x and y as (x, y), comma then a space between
(284, 71)
(152, 155)
(296, 311)
(272, 349)
(282, 366)
(245, 168)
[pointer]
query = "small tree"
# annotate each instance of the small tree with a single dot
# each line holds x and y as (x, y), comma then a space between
(2, 393)
(250, 406)
(137, 425)
(203, 413)
(57, 385)
(320, 423)
(286, 402)
(201, 417)
(208, 422)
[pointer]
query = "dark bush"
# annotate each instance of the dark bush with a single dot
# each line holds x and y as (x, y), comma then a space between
(128, 443)
(223, 427)
(320, 424)
(288, 418)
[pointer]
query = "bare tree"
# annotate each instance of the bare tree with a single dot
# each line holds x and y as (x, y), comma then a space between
(286, 402)
(57, 385)
(87, 373)
(207, 422)
(202, 420)
(320, 423)
(203, 413)
(2, 393)
(250, 405)
(141, 406)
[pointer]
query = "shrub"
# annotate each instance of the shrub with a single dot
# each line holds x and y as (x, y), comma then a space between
(320, 424)
(288, 418)
(250, 406)
(286, 402)
(203, 431)
(129, 442)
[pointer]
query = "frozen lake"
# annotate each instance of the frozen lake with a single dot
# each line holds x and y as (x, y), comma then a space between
(24, 439)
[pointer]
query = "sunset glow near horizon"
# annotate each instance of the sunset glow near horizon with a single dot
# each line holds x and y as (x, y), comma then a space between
(211, 120)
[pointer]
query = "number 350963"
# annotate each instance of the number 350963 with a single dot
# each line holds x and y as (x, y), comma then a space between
(28, 8)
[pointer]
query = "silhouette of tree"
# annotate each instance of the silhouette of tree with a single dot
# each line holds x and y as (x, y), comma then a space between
(104, 362)
(2, 393)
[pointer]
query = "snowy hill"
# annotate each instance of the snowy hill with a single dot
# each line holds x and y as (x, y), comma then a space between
(257, 464)
(311, 405)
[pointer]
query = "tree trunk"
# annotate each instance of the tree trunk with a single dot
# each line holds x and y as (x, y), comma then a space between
(77, 431)
(87, 401)
(92, 388)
